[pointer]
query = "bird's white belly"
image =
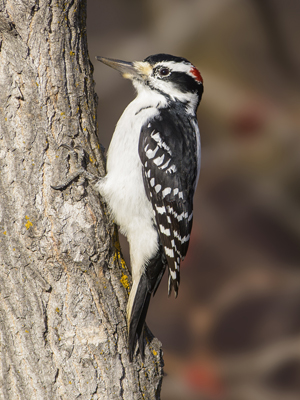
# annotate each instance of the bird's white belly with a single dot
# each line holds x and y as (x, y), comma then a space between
(123, 186)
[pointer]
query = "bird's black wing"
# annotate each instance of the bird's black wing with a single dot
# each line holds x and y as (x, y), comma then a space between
(168, 152)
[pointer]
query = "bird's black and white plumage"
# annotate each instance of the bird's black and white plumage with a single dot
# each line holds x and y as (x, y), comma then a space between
(153, 165)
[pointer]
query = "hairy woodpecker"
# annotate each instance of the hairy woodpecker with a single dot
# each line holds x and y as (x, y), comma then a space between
(153, 165)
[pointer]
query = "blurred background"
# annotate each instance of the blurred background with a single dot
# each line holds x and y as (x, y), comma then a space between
(233, 333)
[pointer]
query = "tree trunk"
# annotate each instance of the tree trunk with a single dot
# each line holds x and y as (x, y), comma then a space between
(63, 282)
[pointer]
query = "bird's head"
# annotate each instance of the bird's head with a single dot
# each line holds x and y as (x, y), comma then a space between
(174, 77)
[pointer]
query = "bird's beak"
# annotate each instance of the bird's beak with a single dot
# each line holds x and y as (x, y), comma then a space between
(129, 70)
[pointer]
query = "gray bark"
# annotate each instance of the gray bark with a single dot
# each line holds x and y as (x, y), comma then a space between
(63, 282)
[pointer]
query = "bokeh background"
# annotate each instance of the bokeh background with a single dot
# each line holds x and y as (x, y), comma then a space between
(233, 333)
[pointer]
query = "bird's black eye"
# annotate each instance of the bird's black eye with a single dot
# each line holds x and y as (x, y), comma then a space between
(164, 71)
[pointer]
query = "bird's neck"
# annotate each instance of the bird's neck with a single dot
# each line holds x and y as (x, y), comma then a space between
(148, 97)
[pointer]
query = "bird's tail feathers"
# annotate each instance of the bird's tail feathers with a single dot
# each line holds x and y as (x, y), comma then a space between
(137, 316)
(139, 300)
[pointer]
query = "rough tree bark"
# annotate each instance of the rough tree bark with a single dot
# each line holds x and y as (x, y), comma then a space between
(63, 282)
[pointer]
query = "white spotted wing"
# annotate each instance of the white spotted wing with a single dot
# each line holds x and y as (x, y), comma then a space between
(168, 152)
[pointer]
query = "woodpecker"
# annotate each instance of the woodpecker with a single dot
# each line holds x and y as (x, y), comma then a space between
(153, 165)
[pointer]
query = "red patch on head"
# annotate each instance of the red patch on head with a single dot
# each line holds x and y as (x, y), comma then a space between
(196, 74)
